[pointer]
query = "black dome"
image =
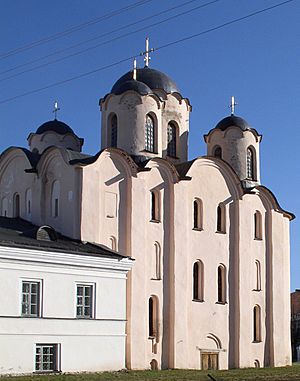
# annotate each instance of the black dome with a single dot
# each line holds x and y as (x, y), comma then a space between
(233, 120)
(138, 86)
(56, 126)
(152, 78)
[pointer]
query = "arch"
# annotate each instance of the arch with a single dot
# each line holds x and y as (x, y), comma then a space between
(222, 284)
(256, 364)
(198, 214)
(221, 218)
(153, 320)
(112, 130)
(217, 152)
(113, 243)
(55, 195)
(215, 339)
(155, 205)
(150, 133)
(4, 207)
(257, 275)
(198, 281)
(156, 262)
(28, 202)
(251, 163)
(16, 205)
(257, 225)
(154, 364)
(172, 139)
(256, 323)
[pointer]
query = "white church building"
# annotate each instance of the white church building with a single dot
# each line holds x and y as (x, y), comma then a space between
(209, 287)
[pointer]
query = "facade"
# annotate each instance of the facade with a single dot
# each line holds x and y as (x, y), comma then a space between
(295, 324)
(210, 242)
(64, 306)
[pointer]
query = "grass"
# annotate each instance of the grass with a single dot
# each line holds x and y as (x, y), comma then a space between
(291, 373)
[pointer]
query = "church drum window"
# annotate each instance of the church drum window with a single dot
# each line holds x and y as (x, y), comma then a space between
(171, 139)
(217, 152)
(55, 199)
(251, 163)
(198, 283)
(221, 284)
(149, 134)
(256, 324)
(114, 131)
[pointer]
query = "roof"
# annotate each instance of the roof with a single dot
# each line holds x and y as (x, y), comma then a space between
(15, 232)
(233, 120)
(56, 126)
(146, 78)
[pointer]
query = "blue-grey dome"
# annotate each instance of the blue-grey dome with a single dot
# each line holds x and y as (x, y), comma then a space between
(137, 86)
(56, 126)
(233, 120)
(151, 78)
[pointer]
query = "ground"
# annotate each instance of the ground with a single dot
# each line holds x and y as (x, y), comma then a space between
(291, 373)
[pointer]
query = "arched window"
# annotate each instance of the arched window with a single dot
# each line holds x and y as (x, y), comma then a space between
(221, 218)
(251, 164)
(155, 206)
(198, 214)
(149, 134)
(16, 205)
(153, 318)
(156, 262)
(198, 281)
(217, 152)
(257, 276)
(257, 225)
(55, 198)
(256, 364)
(256, 324)
(114, 131)
(28, 201)
(221, 284)
(4, 207)
(171, 140)
(113, 243)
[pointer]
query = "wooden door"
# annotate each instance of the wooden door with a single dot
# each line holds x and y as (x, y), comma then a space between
(209, 361)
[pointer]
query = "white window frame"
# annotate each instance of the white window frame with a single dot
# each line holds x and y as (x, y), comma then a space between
(39, 282)
(92, 304)
(56, 357)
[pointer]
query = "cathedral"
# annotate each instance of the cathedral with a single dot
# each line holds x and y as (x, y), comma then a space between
(209, 287)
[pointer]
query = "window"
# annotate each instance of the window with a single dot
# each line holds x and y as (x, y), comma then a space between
(46, 357)
(171, 139)
(198, 281)
(113, 243)
(198, 218)
(222, 284)
(258, 276)
(16, 205)
(257, 225)
(156, 262)
(113, 131)
(149, 134)
(256, 324)
(221, 218)
(153, 317)
(251, 163)
(30, 298)
(4, 207)
(28, 199)
(217, 152)
(155, 206)
(55, 198)
(84, 304)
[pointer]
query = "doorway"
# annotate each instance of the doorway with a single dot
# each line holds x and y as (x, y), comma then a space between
(209, 361)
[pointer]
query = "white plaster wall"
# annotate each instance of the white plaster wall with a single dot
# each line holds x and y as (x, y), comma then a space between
(40, 142)
(86, 345)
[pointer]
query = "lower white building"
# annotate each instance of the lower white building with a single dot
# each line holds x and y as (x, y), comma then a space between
(63, 302)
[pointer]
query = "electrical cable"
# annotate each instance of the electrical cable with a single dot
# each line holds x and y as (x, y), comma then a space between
(158, 48)
(108, 41)
(97, 37)
(72, 29)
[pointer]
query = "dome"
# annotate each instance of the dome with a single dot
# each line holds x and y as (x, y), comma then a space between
(56, 126)
(233, 120)
(137, 86)
(151, 78)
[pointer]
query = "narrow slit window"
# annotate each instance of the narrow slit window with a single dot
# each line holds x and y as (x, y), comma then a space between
(251, 164)
(153, 317)
(221, 284)
(198, 217)
(257, 276)
(256, 324)
(257, 225)
(155, 206)
(221, 218)
(149, 134)
(217, 152)
(114, 131)
(198, 281)
(171, 140)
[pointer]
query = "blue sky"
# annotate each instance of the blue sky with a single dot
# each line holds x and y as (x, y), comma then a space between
(256, 60)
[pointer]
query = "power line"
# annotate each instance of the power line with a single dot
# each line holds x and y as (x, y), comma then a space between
(158, 48)
(108, 41)
(72, 29)
(97, 37)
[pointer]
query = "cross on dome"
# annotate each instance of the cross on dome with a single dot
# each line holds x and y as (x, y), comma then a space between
(56, 109)
(232, 105)
(146, 55)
